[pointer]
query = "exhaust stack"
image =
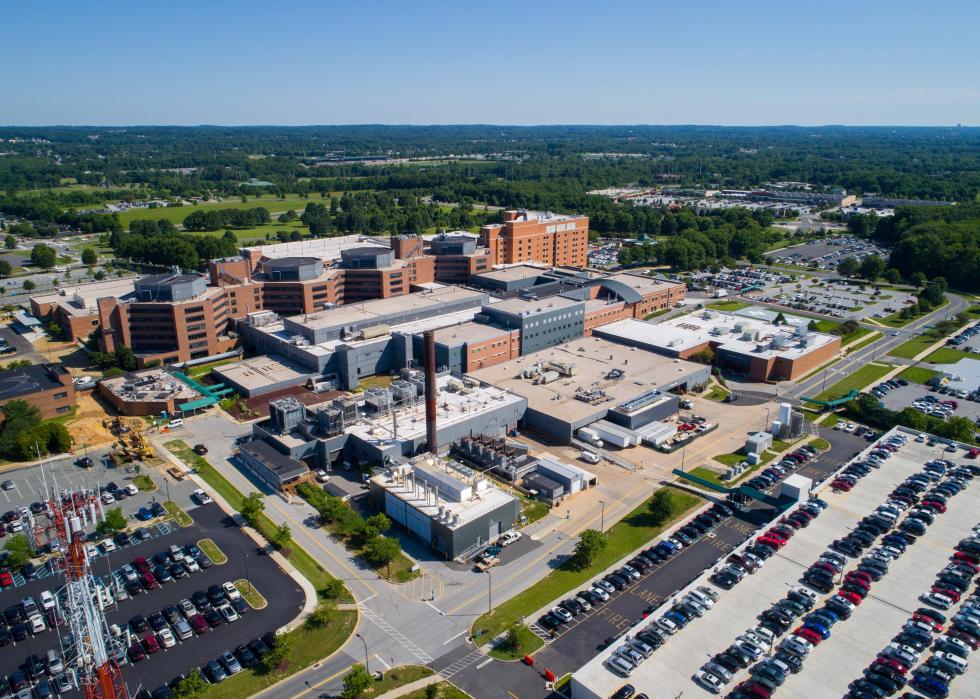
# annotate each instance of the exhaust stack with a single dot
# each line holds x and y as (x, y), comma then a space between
(430, 390)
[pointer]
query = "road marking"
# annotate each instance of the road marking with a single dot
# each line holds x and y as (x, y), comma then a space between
(484, 663)
(441, 613)
(381, 660)
(450, 640)
(514, 696)
(322, 682)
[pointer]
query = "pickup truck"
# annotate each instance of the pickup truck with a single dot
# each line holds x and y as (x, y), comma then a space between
(486, 562)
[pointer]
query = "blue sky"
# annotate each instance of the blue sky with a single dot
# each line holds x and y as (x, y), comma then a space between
(530, 62)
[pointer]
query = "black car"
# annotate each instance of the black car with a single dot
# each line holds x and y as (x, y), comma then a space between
(651, 639)
(241, 606)
(616, 581)
(133, 588)
(177, 571)
(19, 632)
(624, 692)
(138, 623)
(727, 662)
(172, 614)
(121, 539)
(216, 595)
(572, 606)
(245, 656)
(201, 601)
(213, 618)
(29, 571)
(725, 581)
(33, 666)
(550, 622)
(13, 614)
(259, 647)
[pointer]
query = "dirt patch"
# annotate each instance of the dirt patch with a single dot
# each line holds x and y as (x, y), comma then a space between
(86, 426)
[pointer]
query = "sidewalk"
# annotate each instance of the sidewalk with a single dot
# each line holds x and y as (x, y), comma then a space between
(309, 592)
(411, 687)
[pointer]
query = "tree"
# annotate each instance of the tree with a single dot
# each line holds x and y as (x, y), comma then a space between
(42, 256)
(812, 326)
(661, 506)
(192, 686)
(590, 544)
(29, 285)
(704, 356)
(872, 267)
(276, 657)
(18, 550)
(333, 589)
(282, 536)
(356, 682)
(5, 268)
(114, 521)
(382, 550)
(780, 319)
(252, 505)
(99, 275)
(10, 242)
(89, 257)
(518, 638)
(848, 267)
(848, 327)
(376, 525)
(893, 276)
(917, 279)
(321, 616)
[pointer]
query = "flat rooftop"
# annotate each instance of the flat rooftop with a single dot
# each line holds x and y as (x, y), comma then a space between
(513, 273)
(380, 309)
(469, 332)
(261, 371)
(454, 407)
(542, 216)
(33, 379)
(462, 494)
(321, 248)
(519, 306)
(730, 332)
(285, 467)
(963, 375)
(642, 283)
(594, 359)
(81, 298)
(152, 385)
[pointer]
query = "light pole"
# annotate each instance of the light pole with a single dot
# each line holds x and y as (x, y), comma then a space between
(602, 516)
(367, 667)
(245, 561)
(489, 591)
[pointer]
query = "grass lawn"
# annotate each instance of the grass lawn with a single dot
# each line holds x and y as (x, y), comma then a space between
(820, 444)
(918, 374)
(830, 420)
(718, 393)
(973, 311)
(199, 370)
(398, 677)
(661, 312)
(821, 368)
(443, 690)
(212, 551)
(910, 348)
(864, 376)
(252, 596)
(708, 474)
(729, 305)
(182, 518)
(947, 355)
(896, 321)
(307, 646)
(144, 483)
(533, 509)
(176, 214)
(872, 337)
(630, 533)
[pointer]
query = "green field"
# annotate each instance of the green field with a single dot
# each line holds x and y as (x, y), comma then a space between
(873, 337)
(895, 321)
(176, 214)
(947, 355)
(918, 374)
(717, 393)
(864, 376)
(910, 348)
(729, 305)
(258, 233)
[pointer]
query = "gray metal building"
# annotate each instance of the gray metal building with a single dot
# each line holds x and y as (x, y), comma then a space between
(271, 467)
(543, 323)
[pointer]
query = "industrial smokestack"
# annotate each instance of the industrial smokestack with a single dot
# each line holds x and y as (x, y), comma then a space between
(430, 390)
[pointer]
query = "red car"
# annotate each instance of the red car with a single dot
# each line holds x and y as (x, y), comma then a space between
(790, 523)
(141, 565)
(965, 563)
(952, 594)
(822, 565)
(936, 626)
(771, 541)
(935, 505)
(6, 579)
(965, 636)
(858, 575)
(199, 624)
(776, 534)
(754, 689)
(856, 582)
(149, 581)
(810, 635)
(136, 653)
(893, 664)
(967, 556)
(151, 644)
(841, 485)
(849, 596)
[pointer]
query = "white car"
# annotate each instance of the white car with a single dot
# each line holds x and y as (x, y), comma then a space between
(231, 591)
(708, 681)
(167, 638)
(667, 625)
(107, 498)
(47, 600)
(509, 538)
(132, 489)
(36, 623)
(202, 497)
(227, 613)
(937, 600)
(108, 546)
(603, 595)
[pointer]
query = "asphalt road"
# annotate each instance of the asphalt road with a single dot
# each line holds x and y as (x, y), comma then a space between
(285, 600)
(25, 350)
(579, 641)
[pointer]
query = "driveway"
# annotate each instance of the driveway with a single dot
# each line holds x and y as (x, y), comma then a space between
(25, 350)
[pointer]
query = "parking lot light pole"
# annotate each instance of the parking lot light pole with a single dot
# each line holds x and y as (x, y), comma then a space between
(367, 667)
(247, 579)
(489, 591)
(602, 516)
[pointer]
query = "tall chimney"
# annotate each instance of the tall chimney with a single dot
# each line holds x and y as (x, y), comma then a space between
(430, 390)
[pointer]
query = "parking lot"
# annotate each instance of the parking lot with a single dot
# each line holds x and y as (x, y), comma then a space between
(578, 641)
(24, 486)
(828, 252)
(245, 561)
(839, 300)
(835, 663)
(903, 397)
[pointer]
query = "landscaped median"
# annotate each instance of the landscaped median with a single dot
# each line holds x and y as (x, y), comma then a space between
(632, 532)
(179, 516)
(212, 551)
(859, 379)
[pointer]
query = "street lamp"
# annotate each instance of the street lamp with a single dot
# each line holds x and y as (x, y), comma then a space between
(367, 667)
(602, 517)
(247, 579)
(489, 591)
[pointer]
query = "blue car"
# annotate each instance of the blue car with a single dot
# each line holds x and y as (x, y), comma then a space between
(143, 514)
(677, 618)
(930, 686)
(820, 629)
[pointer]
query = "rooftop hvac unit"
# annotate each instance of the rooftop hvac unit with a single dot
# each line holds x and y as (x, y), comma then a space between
(298, 340)
(800, 330)
(719, 330)
(778, 342)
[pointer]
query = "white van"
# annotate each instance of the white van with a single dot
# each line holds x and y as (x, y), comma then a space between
(175, 423)
(54, 663)
(589, 457)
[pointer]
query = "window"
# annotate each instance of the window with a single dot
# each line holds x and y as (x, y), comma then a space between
(59, 396)
(63, 409)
